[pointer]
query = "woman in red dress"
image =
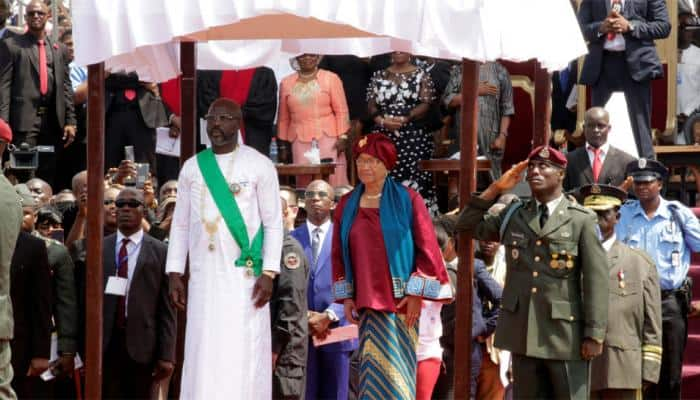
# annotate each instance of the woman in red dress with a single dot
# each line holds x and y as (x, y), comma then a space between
(386, 260)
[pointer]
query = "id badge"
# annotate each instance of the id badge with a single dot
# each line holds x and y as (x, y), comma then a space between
(675, 259)
(116, 286)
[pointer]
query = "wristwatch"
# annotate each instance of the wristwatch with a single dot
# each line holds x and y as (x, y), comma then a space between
(331, 316)
(631, 24)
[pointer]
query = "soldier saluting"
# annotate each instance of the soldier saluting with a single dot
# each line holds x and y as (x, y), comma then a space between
(555, 301)
(632, 350)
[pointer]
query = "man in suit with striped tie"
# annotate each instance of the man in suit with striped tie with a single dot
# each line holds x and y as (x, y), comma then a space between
(328, 367)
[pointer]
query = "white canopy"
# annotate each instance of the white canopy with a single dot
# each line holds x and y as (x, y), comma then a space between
(142, 35)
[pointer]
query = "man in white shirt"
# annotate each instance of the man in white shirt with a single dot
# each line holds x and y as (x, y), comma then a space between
(328, 367)
(228, 219)
(597, 161)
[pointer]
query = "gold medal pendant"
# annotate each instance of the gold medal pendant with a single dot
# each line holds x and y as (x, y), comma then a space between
(514, 253)
(554, 264)
(569, 264)
(249, 272)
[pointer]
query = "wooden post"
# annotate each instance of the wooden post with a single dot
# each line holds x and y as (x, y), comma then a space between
(543, 106)
(463, 325)
(188, 100)
(94, 234)
(188, 145)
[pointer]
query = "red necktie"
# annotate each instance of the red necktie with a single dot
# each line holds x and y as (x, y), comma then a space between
(43, 70)
(122, 272)
(614, 5)
(597, 165)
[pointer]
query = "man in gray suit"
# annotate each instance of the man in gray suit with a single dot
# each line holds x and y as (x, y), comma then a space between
(10, 223)
(139, 320)
(597, 161)
(36, 96)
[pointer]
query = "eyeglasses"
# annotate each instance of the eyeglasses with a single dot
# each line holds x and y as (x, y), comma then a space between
(33, 13)
(367, 162)
(129, 203)
(108, 202)
(310, 194)
(220, 118)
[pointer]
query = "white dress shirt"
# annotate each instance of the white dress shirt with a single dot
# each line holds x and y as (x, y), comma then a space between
(133, 249)
(322, 233)
(552, 205)
(603, 152)
(607, 245)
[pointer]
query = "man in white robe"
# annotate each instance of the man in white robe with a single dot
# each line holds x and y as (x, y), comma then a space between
(227, 343)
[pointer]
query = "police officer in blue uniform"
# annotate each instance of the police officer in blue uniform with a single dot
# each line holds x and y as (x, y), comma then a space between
(668, 231)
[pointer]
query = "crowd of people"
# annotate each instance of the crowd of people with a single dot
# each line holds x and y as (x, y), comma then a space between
(343, 288)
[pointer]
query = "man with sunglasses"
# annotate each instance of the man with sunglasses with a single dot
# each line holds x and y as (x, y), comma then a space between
(228, 220)
(139, 320)
(328, 367)
(36, 96)
(632, 350)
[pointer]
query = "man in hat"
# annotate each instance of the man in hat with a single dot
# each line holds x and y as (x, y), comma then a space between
(632, 349)
(10, 223)
(668, 231)
(228, 219)
(556, 289)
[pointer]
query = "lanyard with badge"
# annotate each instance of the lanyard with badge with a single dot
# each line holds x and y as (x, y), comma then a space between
(672, 227)
(116, 285)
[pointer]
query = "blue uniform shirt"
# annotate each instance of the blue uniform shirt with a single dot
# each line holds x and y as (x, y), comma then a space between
(667, 243)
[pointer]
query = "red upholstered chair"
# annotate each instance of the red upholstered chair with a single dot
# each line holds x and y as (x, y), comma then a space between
(520, 132)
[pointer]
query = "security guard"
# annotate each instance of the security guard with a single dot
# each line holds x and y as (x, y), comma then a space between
(632, 349)
(289, 323)
(555, 301)
(65, 303)
(668, 232)
(10, 223)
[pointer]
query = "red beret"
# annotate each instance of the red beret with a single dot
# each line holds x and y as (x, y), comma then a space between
(5, 132)
(377, 145)
(548, 154)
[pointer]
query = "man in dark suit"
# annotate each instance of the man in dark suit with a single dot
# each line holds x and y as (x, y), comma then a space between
(36, 96)
(622, 57)
(597, 161)
(4, 14)
(30, 290)
(139, 320)
(328, 367)
(133, 111)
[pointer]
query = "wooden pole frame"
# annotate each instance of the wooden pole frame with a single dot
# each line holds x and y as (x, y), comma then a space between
(94, 233)
(467, 185)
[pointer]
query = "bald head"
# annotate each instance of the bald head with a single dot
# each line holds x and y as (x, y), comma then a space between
(40, 190)
(320, 200)
(79, 183)
(596, 126)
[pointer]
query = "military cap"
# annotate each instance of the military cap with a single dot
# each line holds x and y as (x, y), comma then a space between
(549, 155)
(25, 196)
(645, 170)
(602, 197)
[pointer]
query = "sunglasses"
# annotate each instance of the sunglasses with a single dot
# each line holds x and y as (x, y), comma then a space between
(129, 203)
(220, 118)
(310, 194)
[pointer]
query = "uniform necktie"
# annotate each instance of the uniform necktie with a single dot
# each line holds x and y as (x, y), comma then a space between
(122, 272)
(597, 164)
(43, 69)
(544, 215)
(315, 244)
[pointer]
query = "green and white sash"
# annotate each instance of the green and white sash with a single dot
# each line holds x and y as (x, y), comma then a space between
(225, 200)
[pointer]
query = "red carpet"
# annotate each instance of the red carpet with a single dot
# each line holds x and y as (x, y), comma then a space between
(691, 364)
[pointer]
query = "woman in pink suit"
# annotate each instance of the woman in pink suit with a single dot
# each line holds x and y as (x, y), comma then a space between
(313, 106)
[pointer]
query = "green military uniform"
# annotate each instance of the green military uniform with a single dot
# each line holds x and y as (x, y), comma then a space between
(10, 223)
(555, 293)
(65, 305)
(289, 322)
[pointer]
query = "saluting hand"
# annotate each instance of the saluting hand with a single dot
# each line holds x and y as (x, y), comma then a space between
(511, 177)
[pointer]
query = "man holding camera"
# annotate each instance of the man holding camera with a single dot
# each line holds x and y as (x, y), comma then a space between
(36, 96)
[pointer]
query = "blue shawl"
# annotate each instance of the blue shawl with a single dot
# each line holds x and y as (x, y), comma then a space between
(396, 219)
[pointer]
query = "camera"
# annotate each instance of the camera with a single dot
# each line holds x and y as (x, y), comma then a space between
(25, 157)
